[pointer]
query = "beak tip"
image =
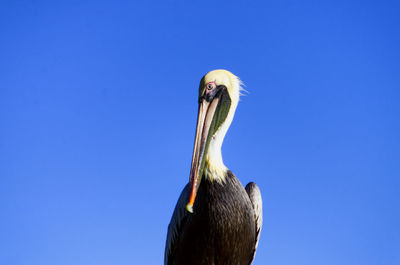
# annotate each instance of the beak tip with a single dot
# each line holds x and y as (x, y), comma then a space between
(189, 208)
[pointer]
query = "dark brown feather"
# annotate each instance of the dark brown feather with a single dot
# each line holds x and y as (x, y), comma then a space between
(221, 230)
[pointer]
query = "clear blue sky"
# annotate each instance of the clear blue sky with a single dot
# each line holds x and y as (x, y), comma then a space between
(98, 105)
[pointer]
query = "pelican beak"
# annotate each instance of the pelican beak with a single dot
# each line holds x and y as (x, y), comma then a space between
(204, 129)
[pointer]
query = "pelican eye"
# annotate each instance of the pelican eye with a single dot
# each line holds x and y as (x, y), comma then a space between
(210, 86)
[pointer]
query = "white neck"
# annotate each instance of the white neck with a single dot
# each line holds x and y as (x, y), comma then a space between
(216, 169)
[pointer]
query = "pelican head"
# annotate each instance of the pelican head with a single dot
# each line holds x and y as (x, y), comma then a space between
(219, 93)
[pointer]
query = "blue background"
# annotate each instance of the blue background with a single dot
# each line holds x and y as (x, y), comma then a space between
(98, 104)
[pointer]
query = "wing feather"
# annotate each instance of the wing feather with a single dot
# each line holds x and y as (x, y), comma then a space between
(255, 197)
(175, 226)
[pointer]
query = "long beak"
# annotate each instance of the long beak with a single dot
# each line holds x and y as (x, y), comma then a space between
(204, 120)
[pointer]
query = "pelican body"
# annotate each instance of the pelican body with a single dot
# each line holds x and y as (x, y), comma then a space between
(216, 221)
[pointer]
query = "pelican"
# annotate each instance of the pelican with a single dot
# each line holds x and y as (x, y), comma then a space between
(216, 221)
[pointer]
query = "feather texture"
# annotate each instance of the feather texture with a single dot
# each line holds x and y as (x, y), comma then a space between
(255, 197)
(222, 230)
